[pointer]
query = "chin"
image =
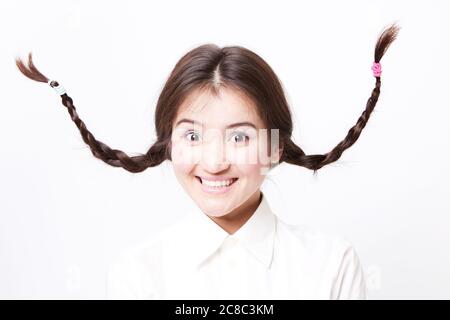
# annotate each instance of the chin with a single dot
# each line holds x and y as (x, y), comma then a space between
(213, 210)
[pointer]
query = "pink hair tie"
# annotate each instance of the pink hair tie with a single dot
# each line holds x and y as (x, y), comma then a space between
(376, 68)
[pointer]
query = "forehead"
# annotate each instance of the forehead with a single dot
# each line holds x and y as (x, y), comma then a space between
(228, 106)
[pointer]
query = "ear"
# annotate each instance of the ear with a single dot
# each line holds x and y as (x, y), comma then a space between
(276, 156)
(280, 152)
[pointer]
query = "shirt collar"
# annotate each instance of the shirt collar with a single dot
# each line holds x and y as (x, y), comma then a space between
(204, 236)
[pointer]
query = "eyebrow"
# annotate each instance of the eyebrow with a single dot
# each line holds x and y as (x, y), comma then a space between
(233, 125)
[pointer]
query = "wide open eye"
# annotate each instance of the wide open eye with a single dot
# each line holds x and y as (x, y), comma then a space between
(192, 136)
(240, 138)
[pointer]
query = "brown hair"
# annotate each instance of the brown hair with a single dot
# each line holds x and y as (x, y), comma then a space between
(209, 66)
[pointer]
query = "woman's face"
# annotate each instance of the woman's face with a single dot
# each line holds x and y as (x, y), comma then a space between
(219, 150)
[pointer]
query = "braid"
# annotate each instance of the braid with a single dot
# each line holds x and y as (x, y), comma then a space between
(182, 80)
(113, 157)
(294, 155)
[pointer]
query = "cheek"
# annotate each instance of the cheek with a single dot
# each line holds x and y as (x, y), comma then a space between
(183, 158)
(251, 172)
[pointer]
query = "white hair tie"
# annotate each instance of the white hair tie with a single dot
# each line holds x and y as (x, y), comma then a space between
(58, 89)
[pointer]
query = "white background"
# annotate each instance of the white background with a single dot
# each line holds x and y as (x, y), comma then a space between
(65, 215)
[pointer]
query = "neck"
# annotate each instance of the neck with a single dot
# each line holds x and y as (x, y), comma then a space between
(234, 220)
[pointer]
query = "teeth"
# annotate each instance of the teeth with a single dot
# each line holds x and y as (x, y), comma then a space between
(217, 183)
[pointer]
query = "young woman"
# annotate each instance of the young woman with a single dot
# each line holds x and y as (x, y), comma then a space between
(223, 121)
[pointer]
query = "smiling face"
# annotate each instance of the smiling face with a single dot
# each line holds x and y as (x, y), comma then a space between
(219, 151)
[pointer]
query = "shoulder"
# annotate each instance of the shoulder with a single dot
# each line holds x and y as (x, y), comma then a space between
(153, 246)
(134, 271)
(334, 255)
(314, 239)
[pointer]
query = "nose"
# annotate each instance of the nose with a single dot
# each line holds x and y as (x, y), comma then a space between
(214, 158)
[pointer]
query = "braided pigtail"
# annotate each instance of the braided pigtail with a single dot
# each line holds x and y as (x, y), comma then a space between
(238, 66)
(294, 154)
(117, 158)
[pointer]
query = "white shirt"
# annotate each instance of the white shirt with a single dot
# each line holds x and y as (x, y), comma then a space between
(265, 259)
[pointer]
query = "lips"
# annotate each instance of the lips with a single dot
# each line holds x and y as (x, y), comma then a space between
(216, 190)
(233, 179)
